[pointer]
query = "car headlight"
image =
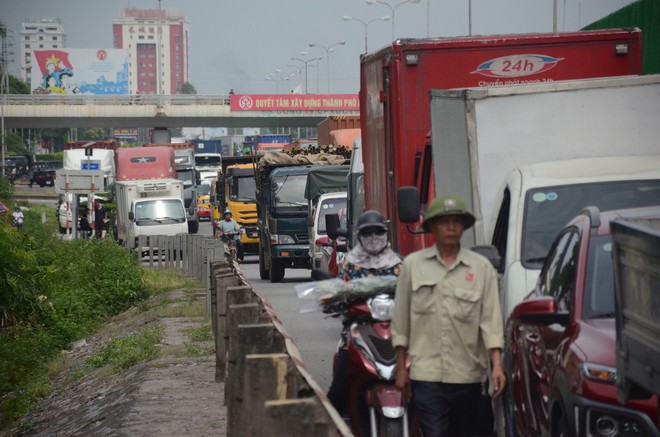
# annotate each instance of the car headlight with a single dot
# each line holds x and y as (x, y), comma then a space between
(599, 373)
(381, 307)
(281, 239)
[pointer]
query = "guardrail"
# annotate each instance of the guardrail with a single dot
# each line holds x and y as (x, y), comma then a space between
(141, 99)
(268, 391)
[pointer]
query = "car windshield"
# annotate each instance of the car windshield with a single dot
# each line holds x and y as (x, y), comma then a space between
(289, 190)
(204, 190)
(547, 210)
(599, 282)
(242, 188)
(159, 210)
(329, 206)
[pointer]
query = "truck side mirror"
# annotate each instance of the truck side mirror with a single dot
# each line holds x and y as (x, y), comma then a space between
(490, 252)
(333, 227)
(131, 216)
(310, 222)
(408, 204)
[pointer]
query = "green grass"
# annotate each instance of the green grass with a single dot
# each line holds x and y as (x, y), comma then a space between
(123, 352)
(203, 333)
(55, 292)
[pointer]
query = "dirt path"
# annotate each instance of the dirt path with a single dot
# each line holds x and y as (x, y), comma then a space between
(174, 395)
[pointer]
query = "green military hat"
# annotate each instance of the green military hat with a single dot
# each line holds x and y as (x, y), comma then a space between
(448, 205)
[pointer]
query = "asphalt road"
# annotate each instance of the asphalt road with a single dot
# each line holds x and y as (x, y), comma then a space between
(315, 336)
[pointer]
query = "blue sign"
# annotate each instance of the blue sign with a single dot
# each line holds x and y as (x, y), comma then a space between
(91, 165)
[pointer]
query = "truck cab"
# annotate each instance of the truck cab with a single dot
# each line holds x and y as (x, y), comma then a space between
(187, 173)
(282, 219)
(238, 185)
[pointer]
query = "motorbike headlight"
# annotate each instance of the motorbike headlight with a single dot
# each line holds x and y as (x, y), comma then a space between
(281, 239)
(381, 307)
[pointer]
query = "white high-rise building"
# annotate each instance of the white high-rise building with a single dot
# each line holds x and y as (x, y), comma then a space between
(39, 34)
(136, 31)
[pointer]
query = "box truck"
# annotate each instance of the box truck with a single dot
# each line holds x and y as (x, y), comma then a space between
(149, 207)
(395, 81)
(527, 159)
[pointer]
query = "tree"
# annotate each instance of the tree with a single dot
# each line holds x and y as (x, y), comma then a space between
(187, 88)
(95, 133)
(17, 86)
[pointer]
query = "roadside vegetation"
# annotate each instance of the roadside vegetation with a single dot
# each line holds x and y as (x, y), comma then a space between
(55, 292)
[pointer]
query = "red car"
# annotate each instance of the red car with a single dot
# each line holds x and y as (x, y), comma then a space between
(561, 342)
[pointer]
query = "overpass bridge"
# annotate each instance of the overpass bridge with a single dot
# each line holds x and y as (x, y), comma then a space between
(86, 111)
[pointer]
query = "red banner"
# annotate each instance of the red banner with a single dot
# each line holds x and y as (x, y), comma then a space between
(295, 102)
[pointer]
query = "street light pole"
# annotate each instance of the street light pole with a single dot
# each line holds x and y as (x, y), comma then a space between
(306, 61)
(158, 55)
(366, 26)
(328, 49)
(392, 8)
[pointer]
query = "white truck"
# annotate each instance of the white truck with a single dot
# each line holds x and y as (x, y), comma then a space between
(149, 207)
(528, 158)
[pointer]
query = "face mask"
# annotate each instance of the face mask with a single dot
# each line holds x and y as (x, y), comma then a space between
(373, 243)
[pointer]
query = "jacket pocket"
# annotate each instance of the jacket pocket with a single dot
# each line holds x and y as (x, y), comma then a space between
(467, 303)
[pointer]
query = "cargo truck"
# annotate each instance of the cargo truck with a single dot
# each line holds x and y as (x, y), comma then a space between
(395, 82)
(282, 211)
(636, 258)
(149, 207)
(338, 130)
(237, 184)
(326, 194)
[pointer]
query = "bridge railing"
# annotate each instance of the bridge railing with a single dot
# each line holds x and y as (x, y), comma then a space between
(141, 99)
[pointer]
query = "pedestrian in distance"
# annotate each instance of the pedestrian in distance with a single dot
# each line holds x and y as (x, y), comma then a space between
(18, 219)
(100, 215)
(447, 319)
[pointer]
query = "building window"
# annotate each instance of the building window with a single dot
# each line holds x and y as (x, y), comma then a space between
(141, 37)
(41, 38)
(178, 75)
(152, 74)
(27, 46)
(41, 46)
(54, 38)
(54, 46)
(151, 37)
(142, 74)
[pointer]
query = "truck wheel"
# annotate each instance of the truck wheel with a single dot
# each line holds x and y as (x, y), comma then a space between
(263, 272)
(276, 271)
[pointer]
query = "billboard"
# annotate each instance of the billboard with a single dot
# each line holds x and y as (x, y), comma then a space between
(294, 102)
(79, 71)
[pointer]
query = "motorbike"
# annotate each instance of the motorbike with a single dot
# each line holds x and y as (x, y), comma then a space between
(227, 238)
(374, 405)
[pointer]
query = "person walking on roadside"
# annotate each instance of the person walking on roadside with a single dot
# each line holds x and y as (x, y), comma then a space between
(100, 215)
(447, 318)
(18, 219)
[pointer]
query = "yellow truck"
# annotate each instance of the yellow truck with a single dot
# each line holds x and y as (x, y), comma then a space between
(235, 190)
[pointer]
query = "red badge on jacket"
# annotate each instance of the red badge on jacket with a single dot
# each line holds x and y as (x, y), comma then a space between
(469, 276)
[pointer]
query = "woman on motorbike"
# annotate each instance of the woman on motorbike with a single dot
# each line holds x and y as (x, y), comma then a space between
(371, 256)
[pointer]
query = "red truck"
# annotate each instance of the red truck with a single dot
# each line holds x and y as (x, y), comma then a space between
(394, 95)
(139, 163)
(338, 130)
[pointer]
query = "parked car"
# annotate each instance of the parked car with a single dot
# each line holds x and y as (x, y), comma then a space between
(560, 342)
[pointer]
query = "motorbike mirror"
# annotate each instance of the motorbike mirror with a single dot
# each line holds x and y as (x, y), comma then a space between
(323, 241)
(408, 204)
(333, 227)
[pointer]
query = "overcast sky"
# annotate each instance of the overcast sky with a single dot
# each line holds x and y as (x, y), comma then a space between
(238, 43)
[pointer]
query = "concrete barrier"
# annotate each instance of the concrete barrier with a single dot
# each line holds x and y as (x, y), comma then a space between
(268, 391)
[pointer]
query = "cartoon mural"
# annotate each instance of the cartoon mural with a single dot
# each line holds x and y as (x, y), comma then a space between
(80, 71)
